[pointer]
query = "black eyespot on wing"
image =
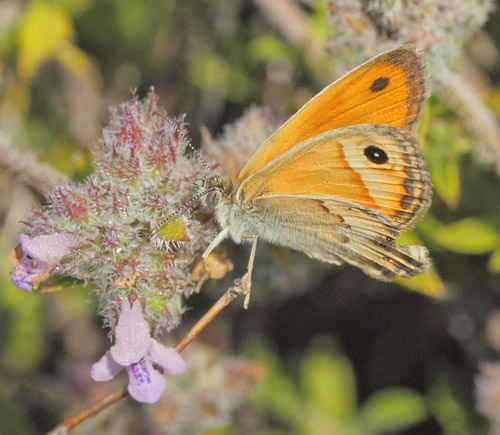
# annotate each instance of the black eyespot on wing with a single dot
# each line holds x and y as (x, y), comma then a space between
(376, 155)
(379, 84)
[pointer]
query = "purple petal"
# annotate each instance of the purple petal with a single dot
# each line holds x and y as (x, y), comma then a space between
(24, 241)
(105, 369)
(21, 279)
(34, 258)
(168, 358)
(132, 335)
(33, 265)
(28, 272)
(47, 248)
(145, 383)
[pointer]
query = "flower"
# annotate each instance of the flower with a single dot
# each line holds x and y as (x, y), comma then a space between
(488, 392)
(136, 351)
(35, 258)
(142, 173)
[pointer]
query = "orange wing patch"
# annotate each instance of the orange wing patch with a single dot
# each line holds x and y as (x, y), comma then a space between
(389, 89)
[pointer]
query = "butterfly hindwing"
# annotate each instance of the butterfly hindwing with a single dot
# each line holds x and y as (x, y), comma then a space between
(336, 231)
(379, 168)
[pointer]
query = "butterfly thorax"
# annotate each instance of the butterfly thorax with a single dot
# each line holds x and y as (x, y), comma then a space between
(232, 208)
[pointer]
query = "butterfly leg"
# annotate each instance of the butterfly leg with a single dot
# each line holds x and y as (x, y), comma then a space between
(213, 244)
(247, 278)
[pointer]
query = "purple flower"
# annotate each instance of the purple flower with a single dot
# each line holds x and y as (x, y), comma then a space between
(488, 392)
(136, 351)
(35, 258)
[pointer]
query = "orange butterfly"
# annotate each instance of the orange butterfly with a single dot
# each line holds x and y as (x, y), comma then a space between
(342, 177)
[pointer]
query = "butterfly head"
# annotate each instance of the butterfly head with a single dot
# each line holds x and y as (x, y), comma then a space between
(223, 187)
(224, 199)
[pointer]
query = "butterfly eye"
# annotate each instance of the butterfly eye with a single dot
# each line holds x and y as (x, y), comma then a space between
(379, 84)
(376, 155)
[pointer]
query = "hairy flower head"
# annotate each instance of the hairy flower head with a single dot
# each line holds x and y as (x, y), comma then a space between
(363, 29)
(142, 174)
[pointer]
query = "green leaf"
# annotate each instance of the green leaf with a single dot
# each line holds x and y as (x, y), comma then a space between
(467, 236)
(44, 30)
(319, 27)
(392, 410)
(328, 383)
(442, 156)
(238, 86)
(268, 48)
(209, 71)
(494, 263)
(278, 394)
(448, 411)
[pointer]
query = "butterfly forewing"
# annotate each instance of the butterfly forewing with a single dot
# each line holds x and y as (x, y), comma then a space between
(389, 89)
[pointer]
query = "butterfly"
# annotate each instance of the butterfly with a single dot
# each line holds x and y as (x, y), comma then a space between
(342, 177)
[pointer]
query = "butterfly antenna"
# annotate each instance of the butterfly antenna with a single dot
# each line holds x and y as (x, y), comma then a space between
(186, 206)
(189, 144)
(198, 195)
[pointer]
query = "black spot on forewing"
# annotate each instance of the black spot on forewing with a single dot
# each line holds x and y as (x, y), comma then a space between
(379, 84)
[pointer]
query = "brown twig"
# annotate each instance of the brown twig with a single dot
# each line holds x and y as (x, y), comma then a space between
(24, 165)
(72, 422)
(223, 302)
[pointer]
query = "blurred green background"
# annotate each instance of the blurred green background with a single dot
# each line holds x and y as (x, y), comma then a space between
(330, 351)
